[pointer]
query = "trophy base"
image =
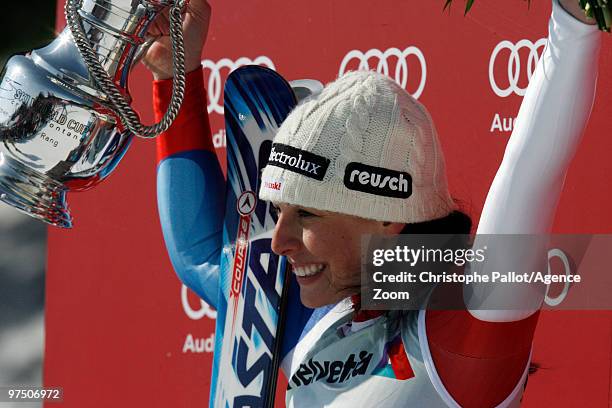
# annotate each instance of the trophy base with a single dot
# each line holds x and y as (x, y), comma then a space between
(33, 193)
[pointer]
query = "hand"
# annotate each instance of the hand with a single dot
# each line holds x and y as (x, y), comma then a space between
(573, 7)
(158, 58)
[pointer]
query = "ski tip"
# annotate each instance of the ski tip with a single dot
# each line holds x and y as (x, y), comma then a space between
(305, 88)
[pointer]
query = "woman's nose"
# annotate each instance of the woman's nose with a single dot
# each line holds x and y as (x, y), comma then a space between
(286, 238)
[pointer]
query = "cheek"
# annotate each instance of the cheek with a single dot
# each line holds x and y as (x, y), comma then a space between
(316, 243)
(341, 249)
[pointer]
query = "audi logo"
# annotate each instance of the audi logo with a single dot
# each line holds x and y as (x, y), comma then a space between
(558, 253)
(204, 311)
(383, 59)
(216, 69)
(514, 65)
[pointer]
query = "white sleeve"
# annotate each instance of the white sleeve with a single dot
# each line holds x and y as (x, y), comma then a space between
(554, 112)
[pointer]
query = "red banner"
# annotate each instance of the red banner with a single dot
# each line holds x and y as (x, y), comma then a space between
(120, 328)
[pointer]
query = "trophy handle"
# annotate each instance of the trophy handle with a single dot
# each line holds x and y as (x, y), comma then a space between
(122, 106)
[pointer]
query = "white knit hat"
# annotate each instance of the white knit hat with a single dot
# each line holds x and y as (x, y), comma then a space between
(362, 147)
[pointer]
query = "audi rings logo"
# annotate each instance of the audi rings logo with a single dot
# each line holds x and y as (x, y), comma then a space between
(384, 61)
(514, 65)
(204, 311)
(556, 301)
(216, 70)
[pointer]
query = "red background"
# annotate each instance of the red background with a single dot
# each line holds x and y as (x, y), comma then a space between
(115, 324)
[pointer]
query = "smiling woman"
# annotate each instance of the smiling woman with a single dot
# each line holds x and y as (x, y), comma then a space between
(381, 168)
(363, 157)
(324, 249)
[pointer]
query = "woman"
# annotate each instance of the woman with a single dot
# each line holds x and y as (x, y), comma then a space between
(361, 128)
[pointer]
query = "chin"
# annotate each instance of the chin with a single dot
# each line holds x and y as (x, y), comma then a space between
(313, 302)
(310, 303)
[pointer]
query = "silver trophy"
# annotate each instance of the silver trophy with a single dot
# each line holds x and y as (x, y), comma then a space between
(65, 115)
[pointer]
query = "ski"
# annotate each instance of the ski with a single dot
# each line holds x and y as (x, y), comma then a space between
(247, 339)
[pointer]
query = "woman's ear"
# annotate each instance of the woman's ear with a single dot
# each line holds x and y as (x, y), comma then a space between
(392, 228)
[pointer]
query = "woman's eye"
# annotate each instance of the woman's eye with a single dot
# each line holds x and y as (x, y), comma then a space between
(300, 213)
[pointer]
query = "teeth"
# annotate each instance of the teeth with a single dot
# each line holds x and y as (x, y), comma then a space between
(308, 270)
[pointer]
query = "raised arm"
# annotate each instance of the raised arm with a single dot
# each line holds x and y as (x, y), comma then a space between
(481, 355)
(190, 184)
(190, 190)
(524, 195)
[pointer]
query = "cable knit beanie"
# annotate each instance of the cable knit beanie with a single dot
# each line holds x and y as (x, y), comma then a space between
(362, 147)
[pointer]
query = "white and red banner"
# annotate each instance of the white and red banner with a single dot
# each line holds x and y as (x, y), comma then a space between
(122, 331)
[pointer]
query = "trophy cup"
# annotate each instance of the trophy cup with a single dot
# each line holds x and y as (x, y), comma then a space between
(65, 115)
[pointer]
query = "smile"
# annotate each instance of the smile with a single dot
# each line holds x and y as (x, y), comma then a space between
(307, 270)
